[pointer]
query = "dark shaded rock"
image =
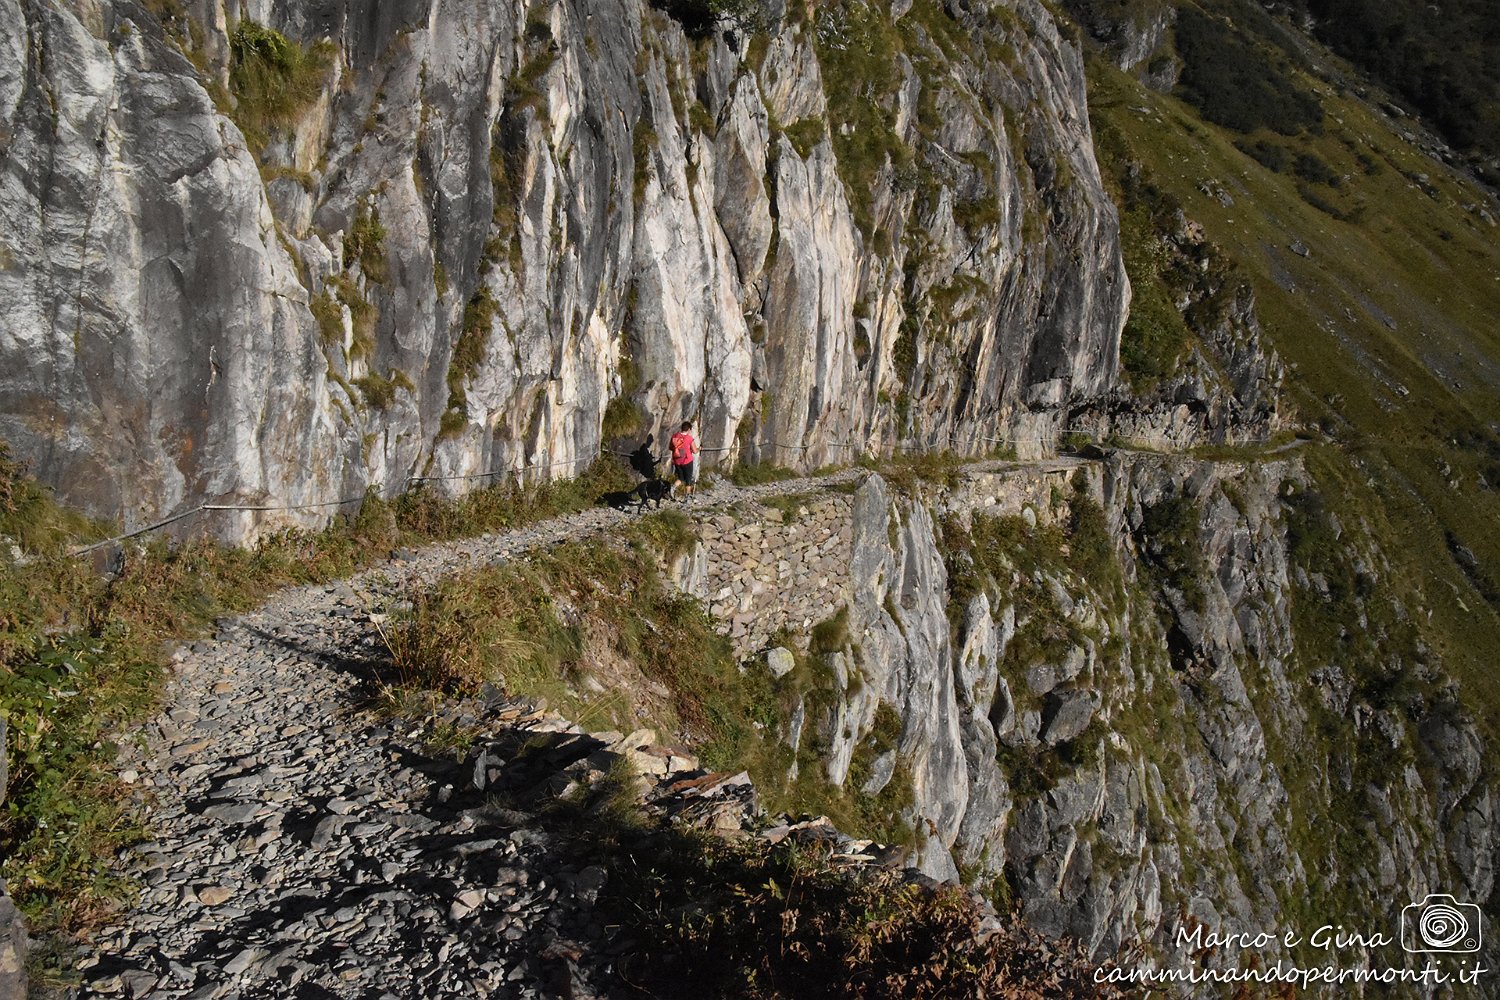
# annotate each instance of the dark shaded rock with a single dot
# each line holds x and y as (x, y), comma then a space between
(1067, 714)
(13, 946)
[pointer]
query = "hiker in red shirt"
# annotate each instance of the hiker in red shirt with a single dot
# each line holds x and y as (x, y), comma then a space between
(684, 453)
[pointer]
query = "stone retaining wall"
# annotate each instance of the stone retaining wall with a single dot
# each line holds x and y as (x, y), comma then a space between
(770, 568)
(761, 568)
(1042, 489)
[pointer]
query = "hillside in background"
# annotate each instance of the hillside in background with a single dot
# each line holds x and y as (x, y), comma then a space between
(1444, 60)
(1375, 263)
(1439, 62)
(1376, 270)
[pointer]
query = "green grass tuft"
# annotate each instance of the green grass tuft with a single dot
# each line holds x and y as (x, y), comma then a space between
(273, 80)
(759, 474)
(831, 634)
(1171, 537)
(365, 243)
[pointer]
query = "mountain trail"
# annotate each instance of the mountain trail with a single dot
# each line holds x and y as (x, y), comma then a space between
(305, 847)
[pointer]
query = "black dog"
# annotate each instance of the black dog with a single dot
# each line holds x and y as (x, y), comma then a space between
(652, 489)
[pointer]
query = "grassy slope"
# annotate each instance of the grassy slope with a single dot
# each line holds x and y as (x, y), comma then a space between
(1387, 323)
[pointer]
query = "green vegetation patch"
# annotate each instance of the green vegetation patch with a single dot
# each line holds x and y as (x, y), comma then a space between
(1171, 538)
(858, 49)
(365, 243)
(1157, 336)
(65, 814)
(644, 142)
(524, 88)
(505, 236)
(468, 352)
(1034, 771)
(831, 634)
(624, 417)
(363, 315)
(1356, 613)
(907, 472)
(1270, 155)
(805, 135)
(273, 79)
(1238, 81)
(904, 351)
(814, 686)
(1445, 65)
(991, 552)
(790, 504)
(537, 628)
(760, 473)
(330, 318)
(1382, 656)
(379, 391)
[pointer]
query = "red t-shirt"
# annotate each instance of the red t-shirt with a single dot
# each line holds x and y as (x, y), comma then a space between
(682, 448)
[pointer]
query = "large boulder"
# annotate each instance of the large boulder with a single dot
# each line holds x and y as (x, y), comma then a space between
(1068, 714)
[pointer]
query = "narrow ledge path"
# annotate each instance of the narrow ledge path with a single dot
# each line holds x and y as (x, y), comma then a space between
(303, 848)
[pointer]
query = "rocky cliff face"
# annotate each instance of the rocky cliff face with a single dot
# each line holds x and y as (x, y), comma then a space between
(446, 239)
(1227, 386)
(13, 938)
(1152, 695)
(1132, 33)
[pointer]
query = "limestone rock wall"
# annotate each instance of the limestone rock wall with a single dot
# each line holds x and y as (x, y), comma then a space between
(497, 236)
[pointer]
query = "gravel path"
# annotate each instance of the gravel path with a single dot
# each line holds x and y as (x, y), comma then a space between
(305, 848)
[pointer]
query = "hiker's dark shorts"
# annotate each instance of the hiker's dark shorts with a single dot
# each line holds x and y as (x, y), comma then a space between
(684, 473)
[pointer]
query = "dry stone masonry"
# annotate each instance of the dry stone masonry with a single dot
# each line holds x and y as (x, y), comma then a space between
(777, 568)
(762, 569)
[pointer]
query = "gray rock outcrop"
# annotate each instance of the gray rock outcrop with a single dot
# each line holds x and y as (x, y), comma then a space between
(13, 940)
(1133, 35)
(1139, 726)
(492, 236)
(13, 946)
